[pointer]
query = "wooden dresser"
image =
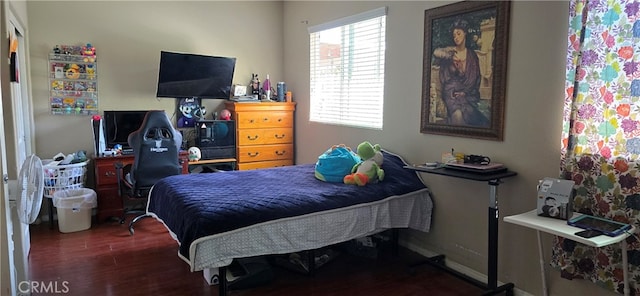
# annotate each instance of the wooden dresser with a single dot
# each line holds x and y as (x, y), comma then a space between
(106, 183)
(264, 134)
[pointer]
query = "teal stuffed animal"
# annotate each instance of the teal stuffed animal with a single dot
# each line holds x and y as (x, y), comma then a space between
(335, 163)
(369, 169)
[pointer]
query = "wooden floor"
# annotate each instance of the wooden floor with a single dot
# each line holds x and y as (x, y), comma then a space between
(106, 260)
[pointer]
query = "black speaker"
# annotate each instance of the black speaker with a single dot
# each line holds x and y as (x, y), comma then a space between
(217, 153)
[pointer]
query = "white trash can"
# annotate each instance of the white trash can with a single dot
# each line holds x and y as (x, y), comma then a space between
(74, 208)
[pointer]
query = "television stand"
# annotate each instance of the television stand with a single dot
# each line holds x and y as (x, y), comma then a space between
(212, 163)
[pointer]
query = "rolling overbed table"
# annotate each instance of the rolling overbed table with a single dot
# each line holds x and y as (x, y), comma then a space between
(494, 178)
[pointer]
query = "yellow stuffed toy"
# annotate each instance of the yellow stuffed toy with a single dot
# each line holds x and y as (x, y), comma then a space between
(369, 169)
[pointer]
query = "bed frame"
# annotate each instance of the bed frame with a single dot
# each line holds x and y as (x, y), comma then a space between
(212, 226)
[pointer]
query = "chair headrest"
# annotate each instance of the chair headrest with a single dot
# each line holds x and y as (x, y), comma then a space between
(156, 125)
(156, 145)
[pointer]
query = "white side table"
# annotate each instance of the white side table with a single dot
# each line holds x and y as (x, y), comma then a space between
(561, 228)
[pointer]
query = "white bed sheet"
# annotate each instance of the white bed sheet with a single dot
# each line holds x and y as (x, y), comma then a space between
(311, 231)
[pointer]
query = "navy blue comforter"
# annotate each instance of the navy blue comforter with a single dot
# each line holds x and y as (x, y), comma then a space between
(199, 205)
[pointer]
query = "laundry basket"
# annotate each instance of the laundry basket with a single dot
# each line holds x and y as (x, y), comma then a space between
(63, 177)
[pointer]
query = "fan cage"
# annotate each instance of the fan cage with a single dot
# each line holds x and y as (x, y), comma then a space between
(64, 177)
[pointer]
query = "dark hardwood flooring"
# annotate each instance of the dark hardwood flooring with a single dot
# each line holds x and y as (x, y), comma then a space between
(106, 260)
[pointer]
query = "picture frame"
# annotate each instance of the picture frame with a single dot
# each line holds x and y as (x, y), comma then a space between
(465, 69)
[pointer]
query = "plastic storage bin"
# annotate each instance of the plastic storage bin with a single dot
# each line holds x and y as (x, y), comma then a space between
(74, 208)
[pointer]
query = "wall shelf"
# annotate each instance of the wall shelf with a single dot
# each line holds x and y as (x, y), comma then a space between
(73, 81)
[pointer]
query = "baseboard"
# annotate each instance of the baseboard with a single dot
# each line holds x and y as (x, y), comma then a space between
(458, 267)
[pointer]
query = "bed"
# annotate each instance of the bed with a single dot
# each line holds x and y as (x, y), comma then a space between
(217, 217)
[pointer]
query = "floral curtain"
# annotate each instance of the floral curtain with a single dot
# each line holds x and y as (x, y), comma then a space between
(601, 136)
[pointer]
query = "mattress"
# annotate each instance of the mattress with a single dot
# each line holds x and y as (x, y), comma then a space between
(221, 216)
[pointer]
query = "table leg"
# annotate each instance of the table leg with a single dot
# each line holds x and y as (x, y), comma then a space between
(625, 268)
(50, 213)
(223, 288)
(492, 272)
(542, 265)
(492, 264)
(492, 268)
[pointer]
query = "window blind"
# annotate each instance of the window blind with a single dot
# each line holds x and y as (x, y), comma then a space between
(347, 59)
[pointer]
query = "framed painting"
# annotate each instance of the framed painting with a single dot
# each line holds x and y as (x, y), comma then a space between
(464, 69)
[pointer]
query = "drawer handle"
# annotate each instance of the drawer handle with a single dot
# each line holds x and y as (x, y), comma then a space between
(252, 139)
(279, 119)
(109, 174)
(251, 121)
(281, 153)
(253, 154)
(266, 119)
(280, 136)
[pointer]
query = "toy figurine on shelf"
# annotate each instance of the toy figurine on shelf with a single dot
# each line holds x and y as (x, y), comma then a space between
(255, 84)
(89, 53)
(266, 88)
(91, 71)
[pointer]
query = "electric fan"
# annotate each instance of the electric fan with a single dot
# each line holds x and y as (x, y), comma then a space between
(30, 189)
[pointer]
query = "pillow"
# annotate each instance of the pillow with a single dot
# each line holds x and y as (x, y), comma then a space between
(335, 163)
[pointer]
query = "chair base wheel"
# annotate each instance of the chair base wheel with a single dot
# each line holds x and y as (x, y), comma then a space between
(136, 219)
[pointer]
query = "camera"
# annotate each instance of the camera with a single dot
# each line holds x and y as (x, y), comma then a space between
(555, 210)
(551, 211)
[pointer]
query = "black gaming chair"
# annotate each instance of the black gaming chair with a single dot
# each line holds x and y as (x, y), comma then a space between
(156, 147)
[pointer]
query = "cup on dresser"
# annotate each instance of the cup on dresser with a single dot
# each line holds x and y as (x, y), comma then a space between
(281, 88)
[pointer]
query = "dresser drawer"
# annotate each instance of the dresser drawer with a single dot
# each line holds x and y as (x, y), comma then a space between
(265, 152)
(106, 171)
(263, 164)
(264, 119)
(261, 136)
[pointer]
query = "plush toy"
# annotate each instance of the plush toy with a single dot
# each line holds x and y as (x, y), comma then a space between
(368, 170)
(225, 114)
(91, 71)
(89, 53)
(187, 109)
(194, 154)
(335, 163)
(73, 72)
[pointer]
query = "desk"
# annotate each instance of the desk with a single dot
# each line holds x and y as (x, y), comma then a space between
(561, 228)
(110, 202)
(221, 161)
(494, 179)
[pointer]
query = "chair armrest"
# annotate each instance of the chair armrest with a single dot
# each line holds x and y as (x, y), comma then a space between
(121, 173)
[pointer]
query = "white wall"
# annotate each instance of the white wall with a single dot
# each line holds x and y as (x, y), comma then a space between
(129, 36)
(272, 37)
(531, 146)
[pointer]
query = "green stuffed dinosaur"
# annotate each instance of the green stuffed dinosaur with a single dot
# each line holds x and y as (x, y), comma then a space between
(368, 170)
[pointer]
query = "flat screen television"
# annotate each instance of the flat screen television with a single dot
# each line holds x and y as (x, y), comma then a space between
(183, 75)
(119, 124)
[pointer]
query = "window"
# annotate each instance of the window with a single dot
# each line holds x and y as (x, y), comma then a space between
(347, 70)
